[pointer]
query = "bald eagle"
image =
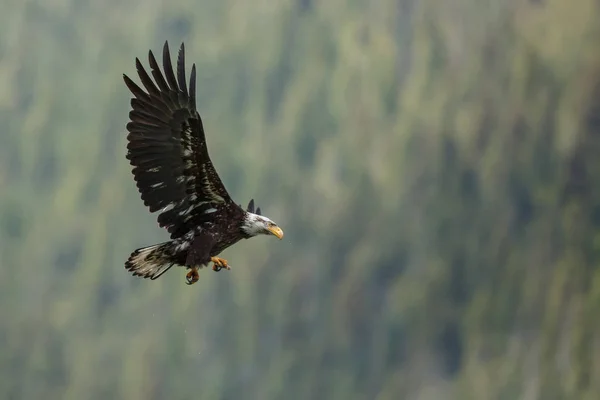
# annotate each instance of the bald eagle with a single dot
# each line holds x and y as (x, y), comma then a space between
(175, 176)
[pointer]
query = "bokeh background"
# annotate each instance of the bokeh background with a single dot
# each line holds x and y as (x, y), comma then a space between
(435, 166)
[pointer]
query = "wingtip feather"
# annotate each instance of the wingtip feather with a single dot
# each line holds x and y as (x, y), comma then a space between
(181, 70)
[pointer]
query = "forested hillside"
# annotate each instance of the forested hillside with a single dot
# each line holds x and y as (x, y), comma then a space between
(434, 166)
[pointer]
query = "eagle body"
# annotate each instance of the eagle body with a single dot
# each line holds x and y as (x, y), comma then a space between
(176, 178)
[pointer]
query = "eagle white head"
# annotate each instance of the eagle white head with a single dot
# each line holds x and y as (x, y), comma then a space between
(255, 224)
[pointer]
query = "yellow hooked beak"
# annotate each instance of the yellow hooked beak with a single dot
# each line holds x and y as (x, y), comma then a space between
(276, 231)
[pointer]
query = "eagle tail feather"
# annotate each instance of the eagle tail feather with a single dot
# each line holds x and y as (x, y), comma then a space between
(151, 261)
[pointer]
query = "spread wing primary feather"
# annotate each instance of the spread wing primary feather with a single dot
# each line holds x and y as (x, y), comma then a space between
(167, 147)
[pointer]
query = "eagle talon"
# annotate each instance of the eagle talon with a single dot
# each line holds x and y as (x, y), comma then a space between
(192, 276)
(219, 263)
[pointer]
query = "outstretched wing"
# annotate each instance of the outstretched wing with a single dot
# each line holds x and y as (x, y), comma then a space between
(250, 207)
(167, 148)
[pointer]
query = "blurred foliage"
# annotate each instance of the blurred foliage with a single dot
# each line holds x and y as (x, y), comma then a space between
(433, 164)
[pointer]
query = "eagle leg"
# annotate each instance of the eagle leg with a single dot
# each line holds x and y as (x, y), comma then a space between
(219, 263)
(192, 276)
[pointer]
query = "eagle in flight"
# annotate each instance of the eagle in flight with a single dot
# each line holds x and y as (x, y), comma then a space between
(175, 176)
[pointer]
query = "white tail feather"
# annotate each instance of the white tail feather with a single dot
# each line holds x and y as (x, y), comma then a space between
(150, 262)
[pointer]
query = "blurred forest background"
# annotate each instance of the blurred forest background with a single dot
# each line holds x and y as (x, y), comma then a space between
(435, 166)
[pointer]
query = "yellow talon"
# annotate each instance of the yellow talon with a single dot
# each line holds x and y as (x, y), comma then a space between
(219, 263)
(192, 276)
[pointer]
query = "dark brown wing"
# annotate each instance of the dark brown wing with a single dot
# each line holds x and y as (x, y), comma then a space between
(167, 148)
(250, 207)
